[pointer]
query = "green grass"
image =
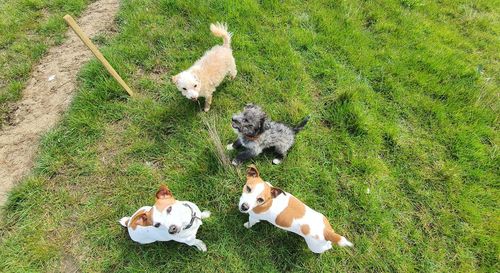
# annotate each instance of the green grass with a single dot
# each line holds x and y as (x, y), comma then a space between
(404, 102)
(27, 29)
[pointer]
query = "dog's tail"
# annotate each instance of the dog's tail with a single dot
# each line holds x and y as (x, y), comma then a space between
(220, 30)
(332, 236)
(337, 239)
(301, 125)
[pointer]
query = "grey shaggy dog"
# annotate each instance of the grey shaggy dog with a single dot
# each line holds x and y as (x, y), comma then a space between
(256, 132)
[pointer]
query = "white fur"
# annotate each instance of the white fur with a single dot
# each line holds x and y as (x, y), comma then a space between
(230, 147)
(345, 242)
(203, 77)
(315, 238)
(276, 161)
(180, 215)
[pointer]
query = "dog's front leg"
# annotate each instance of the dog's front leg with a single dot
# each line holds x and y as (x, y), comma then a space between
(199, 244)
(251, 221)
(235, 145)
(243, 156)
(208, 102)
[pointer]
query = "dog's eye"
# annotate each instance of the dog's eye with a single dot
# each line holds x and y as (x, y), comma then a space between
(184, 88)
(157, 225)
(169, 209)
(195, 85)
(248, 189)
(245, 120)
(260, 200)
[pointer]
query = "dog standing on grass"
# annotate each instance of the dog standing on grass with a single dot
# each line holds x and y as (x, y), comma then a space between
(201, 79)
(256, 132)
(263, 202)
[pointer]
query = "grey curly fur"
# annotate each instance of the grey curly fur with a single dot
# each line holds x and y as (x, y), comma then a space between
(256, 132)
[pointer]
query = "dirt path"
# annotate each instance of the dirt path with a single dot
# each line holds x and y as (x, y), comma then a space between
(48, 94)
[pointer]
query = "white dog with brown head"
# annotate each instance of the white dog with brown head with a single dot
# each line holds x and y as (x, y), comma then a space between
(262, 201)
(167, 220)
(203, 77)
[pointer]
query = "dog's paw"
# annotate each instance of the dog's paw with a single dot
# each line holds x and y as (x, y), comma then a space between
(230, 147)
(276, 161)
(205, 214)
(206, 109)
(247, 225)
(235, 162)
(201, 246)
(124, 221)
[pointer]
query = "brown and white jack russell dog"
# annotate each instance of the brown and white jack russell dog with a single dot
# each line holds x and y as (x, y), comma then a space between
(262, 201)
(167, 220)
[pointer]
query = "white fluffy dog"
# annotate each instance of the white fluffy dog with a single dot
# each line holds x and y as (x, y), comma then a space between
(167, 220)
(201, 79)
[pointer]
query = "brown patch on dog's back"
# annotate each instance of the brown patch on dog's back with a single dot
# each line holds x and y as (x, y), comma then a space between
(305, 229)
(329, 233)
(142, 218)
(294, 210)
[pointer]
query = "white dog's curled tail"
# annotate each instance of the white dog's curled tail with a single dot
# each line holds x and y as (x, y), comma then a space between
(220, 30)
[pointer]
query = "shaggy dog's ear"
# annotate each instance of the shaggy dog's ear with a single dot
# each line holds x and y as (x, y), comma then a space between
(262, 120)
(250, 106)
(175, 78)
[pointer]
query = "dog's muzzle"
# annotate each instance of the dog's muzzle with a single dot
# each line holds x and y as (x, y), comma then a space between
(244, 207)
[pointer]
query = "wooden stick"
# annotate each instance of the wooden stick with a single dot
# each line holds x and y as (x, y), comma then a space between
(71, 22)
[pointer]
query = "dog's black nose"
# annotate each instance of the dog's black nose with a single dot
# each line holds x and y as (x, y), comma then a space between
(244, 207)
(173, 229)
(157, 225)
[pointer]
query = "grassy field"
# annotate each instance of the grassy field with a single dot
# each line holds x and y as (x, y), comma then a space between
(27, 29)
(401, 152)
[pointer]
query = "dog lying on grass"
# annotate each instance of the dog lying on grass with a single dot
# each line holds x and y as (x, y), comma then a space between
(201, 79)
(256, 132)
(167, 220)
(262, 201)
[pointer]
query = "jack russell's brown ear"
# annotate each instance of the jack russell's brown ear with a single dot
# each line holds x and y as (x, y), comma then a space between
(276, 191)
(163, 192)
(252, 171)
(140, 219)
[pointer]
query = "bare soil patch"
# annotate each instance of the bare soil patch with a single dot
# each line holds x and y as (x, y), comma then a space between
(48, 94)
